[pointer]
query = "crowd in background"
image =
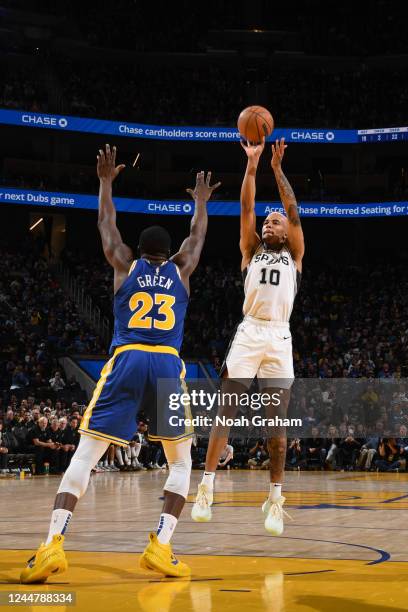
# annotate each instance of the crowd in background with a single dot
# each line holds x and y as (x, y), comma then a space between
(332, 449)
(38, 324)
(312, 97)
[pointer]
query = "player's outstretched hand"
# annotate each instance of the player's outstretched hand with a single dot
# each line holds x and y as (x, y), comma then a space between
(203, 190)
(106, 168)
(278, 151)
(253, 152)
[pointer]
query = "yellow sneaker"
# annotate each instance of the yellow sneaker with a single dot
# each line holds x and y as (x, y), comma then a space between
(159, 558)
(48, 560)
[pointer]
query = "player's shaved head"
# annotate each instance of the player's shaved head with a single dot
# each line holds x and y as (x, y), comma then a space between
(155, 240)
(279, 216)
(274, 230)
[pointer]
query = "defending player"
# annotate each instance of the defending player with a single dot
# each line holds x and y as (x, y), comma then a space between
(262, 345)
(151, 298)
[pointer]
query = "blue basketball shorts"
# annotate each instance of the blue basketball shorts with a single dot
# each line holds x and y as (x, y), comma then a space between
(138, 377)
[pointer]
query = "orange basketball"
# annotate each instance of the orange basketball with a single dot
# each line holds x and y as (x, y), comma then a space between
(254, 123)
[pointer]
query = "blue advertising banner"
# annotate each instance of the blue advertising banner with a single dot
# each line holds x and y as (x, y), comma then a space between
(9, 195)
(160, 132)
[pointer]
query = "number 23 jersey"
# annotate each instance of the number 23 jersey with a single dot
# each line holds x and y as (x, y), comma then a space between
(150, 306)
(270, 285)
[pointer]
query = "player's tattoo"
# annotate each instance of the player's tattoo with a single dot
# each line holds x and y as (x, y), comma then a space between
(288, 198)
(293, 215)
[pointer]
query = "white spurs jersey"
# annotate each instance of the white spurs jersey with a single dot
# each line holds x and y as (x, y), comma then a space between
(271, 283)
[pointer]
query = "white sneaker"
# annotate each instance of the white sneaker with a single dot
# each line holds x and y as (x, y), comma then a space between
(274, 513)
(201, 511)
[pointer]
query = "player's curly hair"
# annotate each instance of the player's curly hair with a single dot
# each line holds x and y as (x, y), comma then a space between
(155, 240)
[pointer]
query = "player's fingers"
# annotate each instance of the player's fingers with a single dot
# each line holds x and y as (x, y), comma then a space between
(120, 168)
(208, 179)
(191, 192)
(243, 144)
(102, 155)
(113, 155)
(273, 149)
(108, 152)
(216, 186)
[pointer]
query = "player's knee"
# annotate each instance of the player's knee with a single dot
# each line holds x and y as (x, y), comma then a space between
(179, 477)
(76, 478)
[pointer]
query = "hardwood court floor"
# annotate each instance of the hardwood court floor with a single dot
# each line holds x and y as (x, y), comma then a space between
(346, 548)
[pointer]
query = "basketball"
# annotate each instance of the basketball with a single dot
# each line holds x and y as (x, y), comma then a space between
(254, 123)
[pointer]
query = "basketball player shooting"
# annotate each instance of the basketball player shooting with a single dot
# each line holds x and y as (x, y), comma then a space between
(151, 295)
(262, 345)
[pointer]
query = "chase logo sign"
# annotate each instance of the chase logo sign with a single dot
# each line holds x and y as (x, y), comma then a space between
(310, 136)
(169, 207)
(44, 120)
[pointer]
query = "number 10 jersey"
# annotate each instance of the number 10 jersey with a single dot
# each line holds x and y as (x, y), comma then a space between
(270, 284)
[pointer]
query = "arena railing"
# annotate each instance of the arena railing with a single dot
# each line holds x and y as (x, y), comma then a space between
(83, 301)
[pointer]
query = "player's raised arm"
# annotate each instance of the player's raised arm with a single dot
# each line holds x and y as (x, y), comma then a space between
(296, 243)
(118, 254)
(189, 253)
(249, 239)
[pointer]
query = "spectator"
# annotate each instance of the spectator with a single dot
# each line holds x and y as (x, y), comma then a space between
(57, 383)
(295, 455)
(389, 456)
(69, 439)
(43, 446)
(19, 379)
(348, 451)
(258, 455)
(315, 451)
(10, 421)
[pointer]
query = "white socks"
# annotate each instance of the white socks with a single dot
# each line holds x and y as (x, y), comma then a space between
(59, 523)
(118, 455)
(208, 479)
(275, 491)
(165, 528)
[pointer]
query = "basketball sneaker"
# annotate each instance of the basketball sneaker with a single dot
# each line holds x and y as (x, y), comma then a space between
(159, 558)
(48, 560)
(201, 511)
(274, 513)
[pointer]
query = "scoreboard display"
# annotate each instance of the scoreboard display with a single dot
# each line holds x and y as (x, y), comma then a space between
(383, 134)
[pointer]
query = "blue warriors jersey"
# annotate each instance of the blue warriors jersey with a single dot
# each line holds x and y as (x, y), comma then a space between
(150, 306)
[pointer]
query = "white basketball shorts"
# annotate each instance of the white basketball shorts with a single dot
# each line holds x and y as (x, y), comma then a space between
(263, 349)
